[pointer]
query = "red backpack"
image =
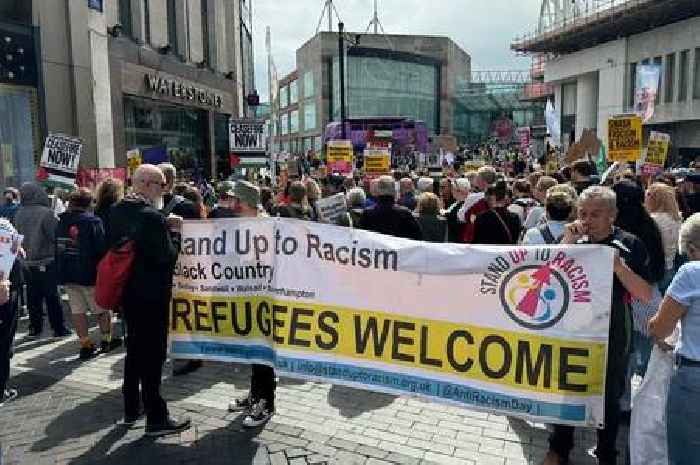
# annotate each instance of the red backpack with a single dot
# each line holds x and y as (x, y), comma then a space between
(113, 272)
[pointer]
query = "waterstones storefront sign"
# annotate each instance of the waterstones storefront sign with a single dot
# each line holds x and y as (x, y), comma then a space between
(182, 90)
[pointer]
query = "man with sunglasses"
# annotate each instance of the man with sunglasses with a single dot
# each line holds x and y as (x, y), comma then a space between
(146, 297)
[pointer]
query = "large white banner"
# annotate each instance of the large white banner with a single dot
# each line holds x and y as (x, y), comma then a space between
(521, 331)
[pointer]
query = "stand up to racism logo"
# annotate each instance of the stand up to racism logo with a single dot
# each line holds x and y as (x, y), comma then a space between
(534, 289)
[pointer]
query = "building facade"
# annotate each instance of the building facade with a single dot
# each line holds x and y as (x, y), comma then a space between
(592, 68)
(385, 75)
(160, 76)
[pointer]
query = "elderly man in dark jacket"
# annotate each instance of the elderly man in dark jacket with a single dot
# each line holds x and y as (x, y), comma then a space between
(388, 218)
(146, 297)
(36, 221)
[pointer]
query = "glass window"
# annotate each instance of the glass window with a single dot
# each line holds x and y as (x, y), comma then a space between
(632, 85)
(294, 122)
(293, 93)
(222, 144)
(147, 21)
(205, 31)
(284, 123)
(696, 78)
(382, 86)
(568, 106)
(20, 147)
(658, 61)
(176, 131)
(670, 77)
(125, 17)
(317, 144)
(683, 76)
(284, 97)
(309, 115)
(172, 26)
(309, 84)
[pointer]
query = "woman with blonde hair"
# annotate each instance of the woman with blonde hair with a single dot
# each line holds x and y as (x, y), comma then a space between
(660, 201)
(313, 193)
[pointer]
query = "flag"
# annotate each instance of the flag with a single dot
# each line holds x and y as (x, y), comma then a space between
(553, 127)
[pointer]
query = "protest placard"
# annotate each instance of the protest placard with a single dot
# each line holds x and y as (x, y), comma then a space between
(331, 209)
(133, 161)
(377, 162)
(657, 151)
(339, 156)
(624, 138)
(520, 331)
(10, 243)
(59, 160)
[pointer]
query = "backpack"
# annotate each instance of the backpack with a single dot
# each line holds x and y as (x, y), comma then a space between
(547, 234)
(113, 272)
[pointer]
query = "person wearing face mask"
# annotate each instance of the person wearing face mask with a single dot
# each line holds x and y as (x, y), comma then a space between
(597, 211)
(11, 203)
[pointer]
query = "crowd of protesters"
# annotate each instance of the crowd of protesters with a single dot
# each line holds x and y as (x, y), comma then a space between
(651, 221)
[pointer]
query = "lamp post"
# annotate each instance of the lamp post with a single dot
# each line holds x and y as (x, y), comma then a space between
(341, 71)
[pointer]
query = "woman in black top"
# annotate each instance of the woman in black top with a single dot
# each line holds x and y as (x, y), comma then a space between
(497, 226)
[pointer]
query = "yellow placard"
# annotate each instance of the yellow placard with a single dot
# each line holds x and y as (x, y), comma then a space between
(625, 138)
(377, 161)
(339, 151)
(657, 151)
(133, 161)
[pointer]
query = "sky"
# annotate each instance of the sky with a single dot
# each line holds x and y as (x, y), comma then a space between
(483, 28)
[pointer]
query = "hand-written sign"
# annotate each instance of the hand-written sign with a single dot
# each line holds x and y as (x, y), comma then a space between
(339, 156)
(247, 136)
(331, 209)
(60, 159)
(377, 162)
(625, 138)
(657, 152)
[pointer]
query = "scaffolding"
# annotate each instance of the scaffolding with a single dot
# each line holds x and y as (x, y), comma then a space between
(567, 26)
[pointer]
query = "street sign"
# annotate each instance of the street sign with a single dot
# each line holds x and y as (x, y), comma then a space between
(624, 138)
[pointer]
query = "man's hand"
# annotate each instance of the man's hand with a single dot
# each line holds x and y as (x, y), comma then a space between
(174, 223)
(573, 232)
(4, 289)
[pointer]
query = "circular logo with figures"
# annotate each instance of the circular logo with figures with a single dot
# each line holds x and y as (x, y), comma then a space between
(535, 297)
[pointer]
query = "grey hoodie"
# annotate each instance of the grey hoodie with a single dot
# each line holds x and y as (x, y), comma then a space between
(37, 222)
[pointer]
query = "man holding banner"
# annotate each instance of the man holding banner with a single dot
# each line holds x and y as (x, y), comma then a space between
(259, 404)
(597, 213)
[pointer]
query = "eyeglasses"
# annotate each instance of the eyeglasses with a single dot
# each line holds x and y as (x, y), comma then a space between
(163, 185)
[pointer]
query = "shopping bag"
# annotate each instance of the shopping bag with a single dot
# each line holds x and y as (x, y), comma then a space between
(648, 424)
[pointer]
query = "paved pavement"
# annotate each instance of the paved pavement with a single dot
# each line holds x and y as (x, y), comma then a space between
(68, 410)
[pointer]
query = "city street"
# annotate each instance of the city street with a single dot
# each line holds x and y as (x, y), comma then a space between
(68, 410)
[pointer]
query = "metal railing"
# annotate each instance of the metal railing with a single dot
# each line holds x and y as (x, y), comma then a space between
(501, 77)
(584, 13)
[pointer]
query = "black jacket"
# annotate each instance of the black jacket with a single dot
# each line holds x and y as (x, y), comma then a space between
(80, 244)
(220, 212)
(156, 251)
(294, 211)
(454, 227)
(388, 218)
(434, 228)
(489, 229)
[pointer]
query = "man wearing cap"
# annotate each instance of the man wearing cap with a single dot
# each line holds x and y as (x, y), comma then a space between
(388, 218)
(259, 404)
(225, 192)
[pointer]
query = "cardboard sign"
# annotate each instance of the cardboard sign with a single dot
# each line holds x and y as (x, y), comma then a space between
(624, 138)
(92, 177)
(377, 162)
(339, 156)
(331, 209)
(10, 242)
(59, 160)
(657, 151)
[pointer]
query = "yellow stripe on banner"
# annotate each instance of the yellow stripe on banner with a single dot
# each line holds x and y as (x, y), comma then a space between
(522, 360)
